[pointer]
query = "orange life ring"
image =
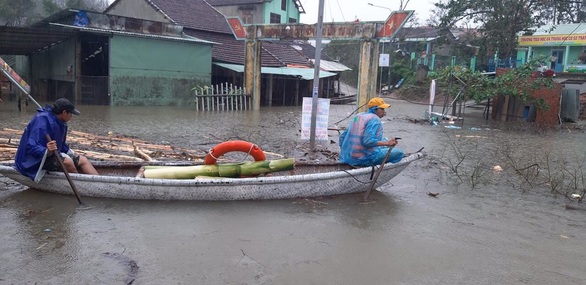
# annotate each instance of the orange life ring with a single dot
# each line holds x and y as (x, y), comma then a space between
(242, 146)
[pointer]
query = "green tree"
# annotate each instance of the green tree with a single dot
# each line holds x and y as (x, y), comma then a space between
(500, 21)
(16, 13)
(27, 12)
(517, 82)
(90, 5)
(50, 7)
(348, 53)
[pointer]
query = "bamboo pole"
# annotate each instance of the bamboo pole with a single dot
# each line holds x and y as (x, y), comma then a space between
(141, 153)
(246, 169)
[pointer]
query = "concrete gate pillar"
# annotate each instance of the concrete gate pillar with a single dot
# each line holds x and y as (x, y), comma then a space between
(252, 74)
(367, 79)
(368, 32)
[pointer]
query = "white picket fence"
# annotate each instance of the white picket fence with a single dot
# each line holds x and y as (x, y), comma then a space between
(222, 97)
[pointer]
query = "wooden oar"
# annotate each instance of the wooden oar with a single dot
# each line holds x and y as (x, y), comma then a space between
(380, 169)
(58, 157)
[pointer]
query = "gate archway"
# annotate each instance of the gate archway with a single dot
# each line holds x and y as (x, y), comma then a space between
(369, 33)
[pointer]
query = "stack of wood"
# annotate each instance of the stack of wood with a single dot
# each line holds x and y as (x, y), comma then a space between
(108, 147)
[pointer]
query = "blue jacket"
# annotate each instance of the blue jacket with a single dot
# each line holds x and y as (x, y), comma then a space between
(32, 150)
(358, 143)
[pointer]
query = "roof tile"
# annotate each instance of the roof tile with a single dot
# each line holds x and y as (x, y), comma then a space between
(193, 14)
(233, 2)
(202, 21)
(231, 50)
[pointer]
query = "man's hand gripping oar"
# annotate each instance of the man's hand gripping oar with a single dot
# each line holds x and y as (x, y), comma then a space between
(378, 172)
(58, 157)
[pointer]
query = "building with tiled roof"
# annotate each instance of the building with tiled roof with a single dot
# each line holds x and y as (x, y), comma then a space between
(200, 19)
(261, 11)
(99, 59)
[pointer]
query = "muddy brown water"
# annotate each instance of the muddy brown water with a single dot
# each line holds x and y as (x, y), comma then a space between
(493, 234)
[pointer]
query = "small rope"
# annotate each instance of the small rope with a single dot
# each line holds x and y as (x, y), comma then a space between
(249, 151)
(210, 152)
(212, 155)
(357, 180)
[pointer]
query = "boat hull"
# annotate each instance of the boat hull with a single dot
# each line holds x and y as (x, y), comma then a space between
(284, 186)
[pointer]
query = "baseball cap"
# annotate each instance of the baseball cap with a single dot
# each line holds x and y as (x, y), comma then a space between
(378, 102)
(64, 104)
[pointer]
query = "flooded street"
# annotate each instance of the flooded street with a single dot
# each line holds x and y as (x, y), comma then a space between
(504, 230)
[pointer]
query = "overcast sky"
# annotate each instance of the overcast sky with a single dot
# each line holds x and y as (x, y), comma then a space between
(350, 10)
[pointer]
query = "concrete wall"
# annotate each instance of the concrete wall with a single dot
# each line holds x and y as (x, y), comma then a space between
(261, 13)
(254, 9)
(157, 72)
(275, 7)
(546, 51)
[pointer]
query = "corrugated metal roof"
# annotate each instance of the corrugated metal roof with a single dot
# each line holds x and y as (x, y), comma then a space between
(419, 39)
(563, 29)
(107, 31)
(331, 65)
(304, 73)
(28, 40)
(305, 48)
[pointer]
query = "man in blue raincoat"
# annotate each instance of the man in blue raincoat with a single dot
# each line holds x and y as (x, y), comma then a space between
(34, 155)
(362, 143)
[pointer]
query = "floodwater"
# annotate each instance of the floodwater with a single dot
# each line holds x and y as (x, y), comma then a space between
(500, 232)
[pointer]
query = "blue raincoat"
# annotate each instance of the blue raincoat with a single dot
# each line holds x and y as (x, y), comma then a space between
(358, 142)
(32, 150)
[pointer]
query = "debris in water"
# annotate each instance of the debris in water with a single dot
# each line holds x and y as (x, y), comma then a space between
(432, 194)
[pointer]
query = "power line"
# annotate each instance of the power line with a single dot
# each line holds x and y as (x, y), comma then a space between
(341, 13)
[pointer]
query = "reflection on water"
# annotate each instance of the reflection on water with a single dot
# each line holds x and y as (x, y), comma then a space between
(41, 231)
(277, 129)
(183, 127)
(460, 233)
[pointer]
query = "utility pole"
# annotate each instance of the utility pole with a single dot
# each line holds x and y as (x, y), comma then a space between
(316, 67)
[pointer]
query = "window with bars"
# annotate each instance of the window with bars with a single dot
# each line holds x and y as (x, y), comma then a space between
(246, 17)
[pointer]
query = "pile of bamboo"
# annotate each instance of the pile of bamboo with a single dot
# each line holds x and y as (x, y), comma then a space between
(109, 147)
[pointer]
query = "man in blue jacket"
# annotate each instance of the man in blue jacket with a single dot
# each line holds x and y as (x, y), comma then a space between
(35, 154)
(362, 143)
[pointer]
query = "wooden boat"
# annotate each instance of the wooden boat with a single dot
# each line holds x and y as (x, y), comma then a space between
(118, 180)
